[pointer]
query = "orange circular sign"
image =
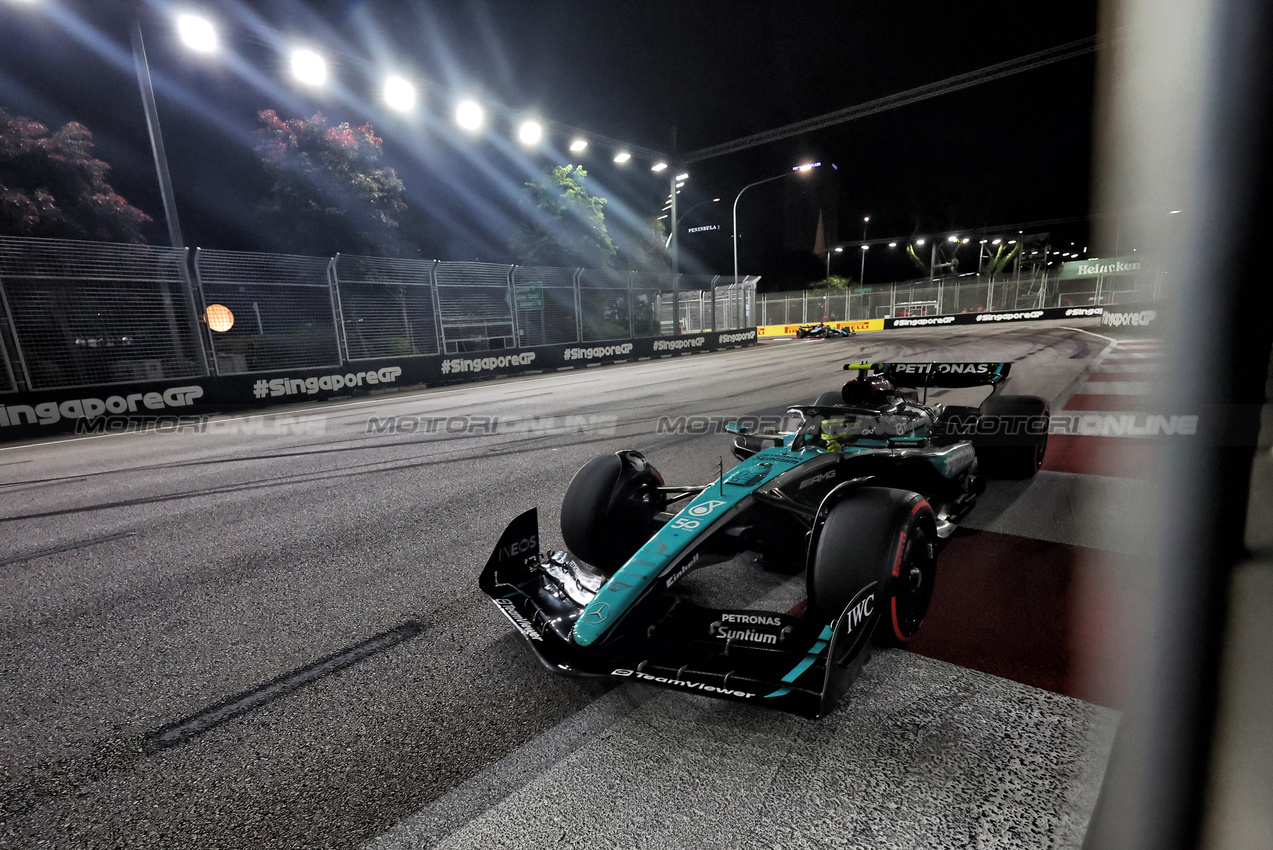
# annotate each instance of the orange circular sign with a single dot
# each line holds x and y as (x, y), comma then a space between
(219, 318)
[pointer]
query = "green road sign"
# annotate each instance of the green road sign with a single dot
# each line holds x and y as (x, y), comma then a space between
(530, 297)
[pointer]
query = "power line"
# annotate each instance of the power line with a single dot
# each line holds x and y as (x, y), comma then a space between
(1019, 65)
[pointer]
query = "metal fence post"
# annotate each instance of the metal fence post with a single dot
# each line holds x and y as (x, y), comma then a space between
(631, 307)
(338, 314)
(512, 304)
(17, 343)
(435, 299)
(578, 306)
(712, 289)
(202, 331)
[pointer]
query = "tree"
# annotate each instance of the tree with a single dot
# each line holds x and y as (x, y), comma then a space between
(565, 224)
(52, 185)
(835, 281)
(645, 247)
(328, 192)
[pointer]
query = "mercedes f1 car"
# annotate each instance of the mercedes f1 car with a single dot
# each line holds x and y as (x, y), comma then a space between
(822, 331)
(859, 491)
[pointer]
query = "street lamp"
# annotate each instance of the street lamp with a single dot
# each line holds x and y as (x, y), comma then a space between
(799, 169)
(469, 115)
(399, 94)
(838, 251)
(197, 33)
(862, 274)
(308, 67)
(530, 132)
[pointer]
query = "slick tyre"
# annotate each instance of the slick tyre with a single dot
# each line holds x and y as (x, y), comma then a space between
(1012, 435)
(884, 535)
(609, 509)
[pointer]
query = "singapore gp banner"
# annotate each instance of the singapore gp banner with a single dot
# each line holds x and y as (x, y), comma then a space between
(178, 403)
(999, 317)
(984, 318)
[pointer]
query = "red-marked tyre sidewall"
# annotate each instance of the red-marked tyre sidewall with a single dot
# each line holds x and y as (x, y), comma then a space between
(877, 534)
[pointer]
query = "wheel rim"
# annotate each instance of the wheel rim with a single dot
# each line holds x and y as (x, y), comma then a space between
(913, 588)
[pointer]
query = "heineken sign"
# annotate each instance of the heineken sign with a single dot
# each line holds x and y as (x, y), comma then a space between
(1100, 267)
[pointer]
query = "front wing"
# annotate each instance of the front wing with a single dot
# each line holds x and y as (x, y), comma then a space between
(799, 664)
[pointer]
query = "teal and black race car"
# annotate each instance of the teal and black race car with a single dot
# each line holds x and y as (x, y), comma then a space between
(859, 493)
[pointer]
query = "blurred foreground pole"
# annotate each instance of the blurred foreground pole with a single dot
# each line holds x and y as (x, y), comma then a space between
(1183, 124)
(147, 89)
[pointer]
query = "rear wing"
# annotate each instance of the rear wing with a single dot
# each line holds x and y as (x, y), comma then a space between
(937, 374)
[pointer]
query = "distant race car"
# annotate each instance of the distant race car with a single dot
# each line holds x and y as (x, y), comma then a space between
(859, 492)
(821, 331)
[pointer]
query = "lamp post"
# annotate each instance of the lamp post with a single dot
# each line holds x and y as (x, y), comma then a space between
(838, 251)
(862, 274)
(799, 169)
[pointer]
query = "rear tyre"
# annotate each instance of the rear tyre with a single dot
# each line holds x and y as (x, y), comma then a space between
(877, 534)
(609, 509)
(1012, 435)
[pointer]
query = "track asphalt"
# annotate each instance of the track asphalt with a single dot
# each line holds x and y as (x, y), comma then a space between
(270, 635)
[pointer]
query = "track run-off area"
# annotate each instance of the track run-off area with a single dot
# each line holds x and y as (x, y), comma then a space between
(267, 632)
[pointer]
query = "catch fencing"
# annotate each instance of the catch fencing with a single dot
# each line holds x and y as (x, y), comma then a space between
(972, 293)
(76, 314)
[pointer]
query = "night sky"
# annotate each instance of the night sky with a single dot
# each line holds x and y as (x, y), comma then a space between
(670, 76)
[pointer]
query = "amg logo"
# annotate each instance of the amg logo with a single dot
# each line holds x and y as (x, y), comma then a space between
(523, 625)
(817, 479)
(526, 544)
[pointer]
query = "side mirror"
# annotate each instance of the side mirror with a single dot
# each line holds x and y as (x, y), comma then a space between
(734, 428)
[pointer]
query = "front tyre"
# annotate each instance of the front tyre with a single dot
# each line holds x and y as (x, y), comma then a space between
(877, 534)
(609, 509)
